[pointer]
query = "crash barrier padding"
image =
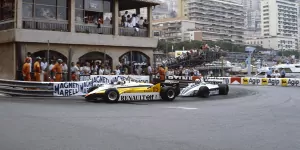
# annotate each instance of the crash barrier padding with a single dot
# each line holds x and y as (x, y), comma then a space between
(46, 89)
(294, 82)
(25, 88)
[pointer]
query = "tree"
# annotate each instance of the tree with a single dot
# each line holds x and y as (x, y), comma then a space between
(225, 45)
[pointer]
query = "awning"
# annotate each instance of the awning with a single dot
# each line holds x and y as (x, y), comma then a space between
(133, 4)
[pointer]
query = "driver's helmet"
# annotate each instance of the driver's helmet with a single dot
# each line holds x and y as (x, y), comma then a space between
(197, 81)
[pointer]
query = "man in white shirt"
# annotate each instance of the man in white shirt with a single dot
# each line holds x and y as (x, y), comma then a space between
(117, 71)
(149, 69)
(44, 65)
(74, 68)
(65, 71)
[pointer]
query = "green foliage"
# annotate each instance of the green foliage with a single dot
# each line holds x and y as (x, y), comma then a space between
(289, 53)
(167, 46)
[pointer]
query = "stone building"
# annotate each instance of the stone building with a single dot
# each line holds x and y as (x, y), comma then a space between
(68, 29)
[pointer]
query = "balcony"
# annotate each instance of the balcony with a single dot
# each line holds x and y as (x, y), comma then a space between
(108, 30)
(6, 25)
(45, 25)
(123, 31)
(79, 28)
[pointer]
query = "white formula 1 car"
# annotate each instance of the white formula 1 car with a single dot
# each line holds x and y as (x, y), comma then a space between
(202, 89)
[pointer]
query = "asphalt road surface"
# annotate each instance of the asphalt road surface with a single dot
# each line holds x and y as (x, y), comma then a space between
(249, 118)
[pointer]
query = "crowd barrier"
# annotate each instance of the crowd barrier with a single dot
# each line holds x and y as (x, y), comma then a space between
(79, 88)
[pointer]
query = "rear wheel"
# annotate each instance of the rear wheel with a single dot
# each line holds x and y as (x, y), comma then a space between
(223, 89)
(111, 96)
(203, 92)
(168, 93)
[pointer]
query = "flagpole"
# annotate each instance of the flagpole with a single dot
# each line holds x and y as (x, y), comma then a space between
(131, 62)
(104, 57)
(48, 53)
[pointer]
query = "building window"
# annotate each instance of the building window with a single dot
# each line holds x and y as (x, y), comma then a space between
(7, 9)
(46, 9)
(89, 11)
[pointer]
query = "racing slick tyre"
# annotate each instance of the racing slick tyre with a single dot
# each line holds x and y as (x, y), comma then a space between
(223, 89)
(168, 93)
(203, 92)
(111, 96)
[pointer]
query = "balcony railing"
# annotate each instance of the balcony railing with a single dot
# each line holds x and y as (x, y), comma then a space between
(123, 31)
(45, 25)
(93, 29)
(6, 25)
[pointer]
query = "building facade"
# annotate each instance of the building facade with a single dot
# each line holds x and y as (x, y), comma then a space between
(217, 19)
(173, 29)
(70, 30)
(252, 19)
(280, 23)
(275, 43)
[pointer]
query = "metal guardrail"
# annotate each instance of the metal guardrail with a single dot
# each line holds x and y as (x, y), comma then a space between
(25, 88)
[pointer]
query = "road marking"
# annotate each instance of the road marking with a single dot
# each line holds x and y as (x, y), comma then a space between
(185, 108)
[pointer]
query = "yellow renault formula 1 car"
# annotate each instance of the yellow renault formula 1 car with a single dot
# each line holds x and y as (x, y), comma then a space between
(133, 91)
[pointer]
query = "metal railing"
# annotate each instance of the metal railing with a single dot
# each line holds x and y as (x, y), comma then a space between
(49, 26)
(6, 25)
(133, 32)
(24, 88)
(93, 29)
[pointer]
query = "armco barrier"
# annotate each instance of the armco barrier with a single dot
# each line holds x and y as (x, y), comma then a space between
(47, 89)
(23, 88)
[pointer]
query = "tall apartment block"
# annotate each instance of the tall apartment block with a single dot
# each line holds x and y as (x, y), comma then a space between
(280, 23)
(218, 20)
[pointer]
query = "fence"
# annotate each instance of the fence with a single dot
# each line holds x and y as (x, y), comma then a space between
(48, 89)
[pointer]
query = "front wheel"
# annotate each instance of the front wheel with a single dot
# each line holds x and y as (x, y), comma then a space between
(168, 93)
(203, 92)
(223, 89)
(111, 96)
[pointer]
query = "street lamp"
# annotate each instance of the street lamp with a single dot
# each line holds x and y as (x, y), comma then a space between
(250, 51)
(222, 59)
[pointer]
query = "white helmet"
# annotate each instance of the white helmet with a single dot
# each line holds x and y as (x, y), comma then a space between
(197, 81)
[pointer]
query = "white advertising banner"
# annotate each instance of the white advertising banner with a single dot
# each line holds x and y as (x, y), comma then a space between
(81, 87)
(71, 88)
(108, 79)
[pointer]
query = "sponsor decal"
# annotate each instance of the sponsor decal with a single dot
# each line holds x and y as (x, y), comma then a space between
(235, 80)
(273, 82)
(108, 79)
(226, 80)
(84, 77)
(71, 88)
(179, 78)
(264, 81)
(254, 81)
(245, 81)
(284, 82)
(137, 97)
(214, 82)
(100, 80)
(293, 82)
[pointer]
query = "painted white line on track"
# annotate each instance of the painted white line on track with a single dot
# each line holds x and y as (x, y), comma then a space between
(185, 108)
